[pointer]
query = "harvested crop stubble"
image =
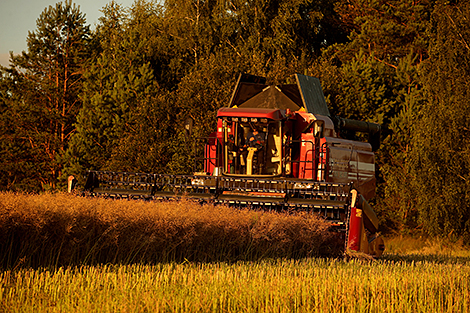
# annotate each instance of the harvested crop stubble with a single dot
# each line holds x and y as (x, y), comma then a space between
(280, 285)
(61, 229)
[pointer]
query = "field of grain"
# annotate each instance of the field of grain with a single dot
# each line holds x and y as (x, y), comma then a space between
(62, 229)
(415, 275)
(307, 285)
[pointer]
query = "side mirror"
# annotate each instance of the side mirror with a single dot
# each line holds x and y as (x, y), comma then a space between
(318, 129)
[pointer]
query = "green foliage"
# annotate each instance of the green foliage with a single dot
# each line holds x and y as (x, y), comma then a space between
(198, 96)
(123, 122)
(398, 200)
(363, 89)
(441, 155)
(44, 83)
(18, 169)
(148, 135)
(389, 30)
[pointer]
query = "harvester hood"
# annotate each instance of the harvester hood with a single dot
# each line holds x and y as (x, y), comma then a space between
(271, 97)
(306, 95)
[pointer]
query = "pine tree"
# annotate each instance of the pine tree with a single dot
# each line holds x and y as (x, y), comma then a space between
(124, 122)
(18, 168)
(388, 30)
(48, 78)
(397, 202)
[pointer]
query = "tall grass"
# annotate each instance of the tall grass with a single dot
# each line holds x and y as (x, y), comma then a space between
(61, 229)
(306, 285)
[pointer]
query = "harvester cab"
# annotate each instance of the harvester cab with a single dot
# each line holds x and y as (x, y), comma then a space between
(287, 131)
(276, 147)
(252, 141)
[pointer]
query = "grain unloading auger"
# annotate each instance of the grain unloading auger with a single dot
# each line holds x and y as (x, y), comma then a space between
(275, 148)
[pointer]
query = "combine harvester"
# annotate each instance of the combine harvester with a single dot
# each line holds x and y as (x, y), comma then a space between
(275, 148)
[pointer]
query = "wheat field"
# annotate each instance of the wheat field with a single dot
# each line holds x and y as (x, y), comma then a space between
(61, 253)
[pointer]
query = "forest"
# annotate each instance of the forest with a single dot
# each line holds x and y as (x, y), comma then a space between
(115, 96)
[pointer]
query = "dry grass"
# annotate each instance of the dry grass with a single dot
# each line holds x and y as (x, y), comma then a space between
(61, 229)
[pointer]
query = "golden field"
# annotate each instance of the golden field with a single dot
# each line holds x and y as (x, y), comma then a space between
(279, 285)
(62, 229)
(61, 253)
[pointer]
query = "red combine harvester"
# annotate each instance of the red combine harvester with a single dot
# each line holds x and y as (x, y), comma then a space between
(275, 148)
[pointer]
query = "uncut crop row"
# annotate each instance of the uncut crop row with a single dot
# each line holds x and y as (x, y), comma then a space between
(62, 229)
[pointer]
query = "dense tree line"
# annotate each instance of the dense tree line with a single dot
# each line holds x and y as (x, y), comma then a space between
(116, 97)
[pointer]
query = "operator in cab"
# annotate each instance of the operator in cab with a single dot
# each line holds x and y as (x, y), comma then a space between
(253, 150)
